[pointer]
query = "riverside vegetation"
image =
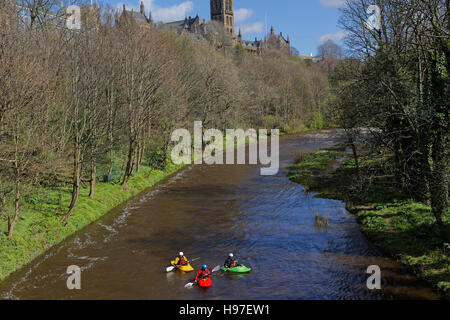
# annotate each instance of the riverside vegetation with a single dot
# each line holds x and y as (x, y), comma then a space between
(400, 226)
(395, 84)
(86, 116)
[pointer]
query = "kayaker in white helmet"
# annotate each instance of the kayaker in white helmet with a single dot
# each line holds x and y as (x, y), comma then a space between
(181, 260)
(231, 262)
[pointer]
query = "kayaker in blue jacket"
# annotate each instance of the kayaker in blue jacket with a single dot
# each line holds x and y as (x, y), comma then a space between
(231, 262)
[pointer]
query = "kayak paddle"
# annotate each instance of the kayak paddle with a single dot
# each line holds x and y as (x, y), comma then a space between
(169, 269)
(215, 269)
(191, 284)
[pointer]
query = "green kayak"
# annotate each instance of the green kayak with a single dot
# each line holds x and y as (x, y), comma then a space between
(238, 269)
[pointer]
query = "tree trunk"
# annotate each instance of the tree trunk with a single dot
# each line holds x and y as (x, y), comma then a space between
(399, 165)
(421, 187)
(111, 137)
(351, 140)
(3, 195)
(130, 165)
(12, 224)
(439, 91)
(439, 184)
(355, 156)
(138, 158)
(93, 179)
(111, 162)
(2, 205)
(76, 185)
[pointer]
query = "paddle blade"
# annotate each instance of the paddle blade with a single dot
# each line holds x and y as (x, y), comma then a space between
(169, 269)
(216, 269)
(189, 285)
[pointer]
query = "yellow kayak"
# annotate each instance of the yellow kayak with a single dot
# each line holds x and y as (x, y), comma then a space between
(186, 268)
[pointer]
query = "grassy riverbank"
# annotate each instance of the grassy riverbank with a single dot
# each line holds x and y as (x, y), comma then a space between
(39, 226)
(400, 227)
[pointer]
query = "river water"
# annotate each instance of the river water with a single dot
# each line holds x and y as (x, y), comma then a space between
(268, 222)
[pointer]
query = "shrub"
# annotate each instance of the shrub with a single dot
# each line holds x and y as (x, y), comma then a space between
(299, 157)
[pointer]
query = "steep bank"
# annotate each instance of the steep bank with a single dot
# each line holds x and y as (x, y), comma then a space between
(397, 225)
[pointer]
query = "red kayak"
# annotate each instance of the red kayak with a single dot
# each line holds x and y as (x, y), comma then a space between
(204, 283)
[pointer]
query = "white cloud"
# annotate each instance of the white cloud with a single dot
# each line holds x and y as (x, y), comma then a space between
(251, 28)
(165, 14)
(173, 13)
(336, 37)
(242, 14)
(332, 3)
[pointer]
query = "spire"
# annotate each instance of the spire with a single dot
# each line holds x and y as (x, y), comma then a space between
(240, 34)
(272, 31)
(124, 7)
(142, 8)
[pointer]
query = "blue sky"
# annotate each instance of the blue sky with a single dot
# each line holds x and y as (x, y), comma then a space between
(307, 22)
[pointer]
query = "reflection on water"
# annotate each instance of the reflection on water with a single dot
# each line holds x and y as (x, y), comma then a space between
(207, 212)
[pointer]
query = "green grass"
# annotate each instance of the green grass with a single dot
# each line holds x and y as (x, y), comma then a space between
(401, 227)
(39, 226)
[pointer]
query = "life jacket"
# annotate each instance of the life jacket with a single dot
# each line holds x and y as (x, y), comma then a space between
(203, 274)
(182, 261)
(230, 262)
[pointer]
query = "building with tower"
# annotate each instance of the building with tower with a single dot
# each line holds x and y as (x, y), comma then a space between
(222, 11)
(137, 17)
(277, 41)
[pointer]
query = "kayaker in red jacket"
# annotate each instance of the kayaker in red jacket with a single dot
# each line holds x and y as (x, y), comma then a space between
(203, 273)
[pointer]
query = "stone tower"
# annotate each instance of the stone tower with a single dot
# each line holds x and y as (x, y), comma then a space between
(223, 12)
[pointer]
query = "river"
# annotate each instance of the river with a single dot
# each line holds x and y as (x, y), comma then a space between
(208, 211)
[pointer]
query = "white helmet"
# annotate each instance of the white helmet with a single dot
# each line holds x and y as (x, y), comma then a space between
(181, 253)
(230, 255)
